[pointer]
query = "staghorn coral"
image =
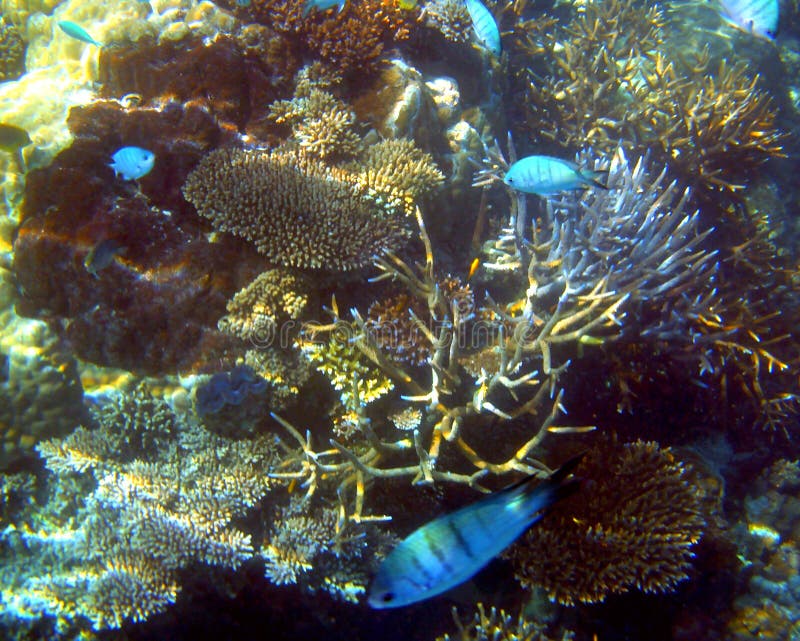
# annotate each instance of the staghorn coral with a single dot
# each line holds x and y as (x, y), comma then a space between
(297, 211)
(12, 51)
(255, 312)
(497, 625)
(122, 528)
(606, 76)
(632, 526)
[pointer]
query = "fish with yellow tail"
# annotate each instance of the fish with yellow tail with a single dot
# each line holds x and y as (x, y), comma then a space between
(452, 548)
(548, 176)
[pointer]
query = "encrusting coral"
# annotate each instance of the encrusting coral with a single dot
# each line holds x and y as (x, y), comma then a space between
(632, 526)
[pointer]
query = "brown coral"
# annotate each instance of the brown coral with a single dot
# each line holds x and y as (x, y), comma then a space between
(275, 295)
(350, 42)
(12, 51)
(632, 525)
(297, 211)
(605, 77)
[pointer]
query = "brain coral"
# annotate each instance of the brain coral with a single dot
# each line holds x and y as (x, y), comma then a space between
(632, 525)
(296, 210)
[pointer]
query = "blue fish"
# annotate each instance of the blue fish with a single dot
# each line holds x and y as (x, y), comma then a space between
(485, 26)
(78, 32)
(322, 5)
(132, 162)
(452, 548)
(546, 176)
(758, 17)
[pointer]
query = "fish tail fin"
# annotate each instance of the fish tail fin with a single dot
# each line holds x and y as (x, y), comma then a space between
(593, 176)
(558, 486)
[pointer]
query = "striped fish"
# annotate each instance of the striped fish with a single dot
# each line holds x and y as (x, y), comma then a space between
(758, 17)
(485, 27)
(546, 176)
(452, 548)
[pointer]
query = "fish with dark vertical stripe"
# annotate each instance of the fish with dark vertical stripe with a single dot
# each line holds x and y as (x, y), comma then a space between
(452, 548)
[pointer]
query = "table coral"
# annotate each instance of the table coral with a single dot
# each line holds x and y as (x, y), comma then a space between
(632, 526)
(297, 211)
(122, 534)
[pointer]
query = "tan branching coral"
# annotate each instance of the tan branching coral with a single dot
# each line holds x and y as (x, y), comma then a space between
(632, 526)
(450, 18)
(399, 171)
(497, 625)
(255, 312)
(321, 123)
(605, 77)
(296, 210)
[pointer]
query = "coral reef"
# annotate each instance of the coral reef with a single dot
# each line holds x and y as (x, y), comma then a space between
(632, 526)
(157, 306)
(12, 52)
(497, 625)
(40, 390)
(607, 76)
(118, 528)
(351, 43)
(256, 312)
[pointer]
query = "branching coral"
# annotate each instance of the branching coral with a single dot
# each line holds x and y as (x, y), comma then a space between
(497, 625)
(633, 525)
(255, 312)
(350, 42)
(606, 78)
(592, 261)
(297, 211)
(130, 525)
(304, 545)
(321, 124)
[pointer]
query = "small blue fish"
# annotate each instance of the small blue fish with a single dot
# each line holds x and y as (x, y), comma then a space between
(758, 17)
(546, 176)
(322, 5)
(452, 548)
(78, 32)
(485, 26)
(102, 255)
(132, 162)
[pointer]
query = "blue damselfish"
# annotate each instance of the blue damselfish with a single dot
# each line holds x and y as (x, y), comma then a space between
(547, 176)
(452, 548)
(132, 162)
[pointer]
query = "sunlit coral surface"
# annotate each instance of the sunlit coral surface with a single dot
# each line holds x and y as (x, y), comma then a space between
(268, 304)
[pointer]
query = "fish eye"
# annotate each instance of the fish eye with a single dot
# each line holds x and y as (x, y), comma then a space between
(511, 180)
(387, 597)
